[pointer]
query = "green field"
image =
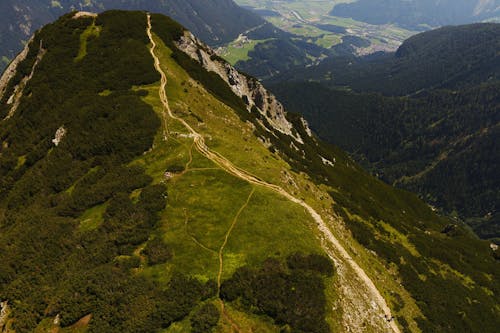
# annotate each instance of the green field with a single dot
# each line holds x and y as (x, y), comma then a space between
(204, 199)
(236, 51)
(303, 17)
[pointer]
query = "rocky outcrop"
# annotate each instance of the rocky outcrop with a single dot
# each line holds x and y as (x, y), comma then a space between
(248, 88)
(11, 70)
(81, 14)
(60, 133)
(4, 314)
(15, 98)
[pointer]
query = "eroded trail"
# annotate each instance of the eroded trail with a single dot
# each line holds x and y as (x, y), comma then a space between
(226, 238)
(162, 92)
(199, 142)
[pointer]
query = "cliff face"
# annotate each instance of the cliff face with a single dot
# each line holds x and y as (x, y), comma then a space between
(246, 87)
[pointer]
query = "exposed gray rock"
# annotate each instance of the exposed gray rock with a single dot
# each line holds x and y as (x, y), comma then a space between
(11, 70)
(248, 88)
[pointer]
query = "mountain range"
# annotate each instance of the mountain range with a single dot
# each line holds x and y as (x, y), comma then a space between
(446, 58)
(217, 22)
(148, 186)
(419, 14)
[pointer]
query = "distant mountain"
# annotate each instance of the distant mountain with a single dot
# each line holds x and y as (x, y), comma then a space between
(279, 53)
(448, 57)
(214, 21)
(419, 14)
(148, 186)
(439, 139)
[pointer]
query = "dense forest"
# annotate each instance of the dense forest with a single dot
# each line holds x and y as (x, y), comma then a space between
(46, 188)
(216, 22)
(441, 145)
(279, 52)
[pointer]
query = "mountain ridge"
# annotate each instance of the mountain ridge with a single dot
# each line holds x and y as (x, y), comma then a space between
(217, 22)
(445, 58)
(230, 168)
(419, 14)
(113, 185)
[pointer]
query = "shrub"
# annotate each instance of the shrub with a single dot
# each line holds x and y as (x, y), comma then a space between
(205, 319)
(157, 252)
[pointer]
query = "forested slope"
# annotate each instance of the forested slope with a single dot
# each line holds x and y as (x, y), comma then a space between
(439, 138)
(442, 145)
(419, 14)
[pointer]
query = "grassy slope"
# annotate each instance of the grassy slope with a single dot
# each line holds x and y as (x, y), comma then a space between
(391, 213)
(235, 52)
(204, 200)
(234, 139)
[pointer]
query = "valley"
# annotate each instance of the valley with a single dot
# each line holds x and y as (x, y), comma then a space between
(310, 19)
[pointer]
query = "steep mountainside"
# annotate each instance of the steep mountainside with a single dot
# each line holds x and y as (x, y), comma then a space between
(440, 141)
(443, 144)
(215, 21)
(419, 14)
(163, 191)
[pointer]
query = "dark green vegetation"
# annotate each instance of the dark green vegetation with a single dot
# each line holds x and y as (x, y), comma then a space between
(223, 17)
(157, 252)
(78, 214)
(440, 143)
(293, 296)
(401, 229)
(80, 225)
(281, 52)
(435, 267)
(449, 58)
(81, 271)
(205, 319)
(418, 14)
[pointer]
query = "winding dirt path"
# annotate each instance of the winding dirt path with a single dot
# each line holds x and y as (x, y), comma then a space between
(193, 238)
(162, 92)
(226, 238)
(230, 168)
